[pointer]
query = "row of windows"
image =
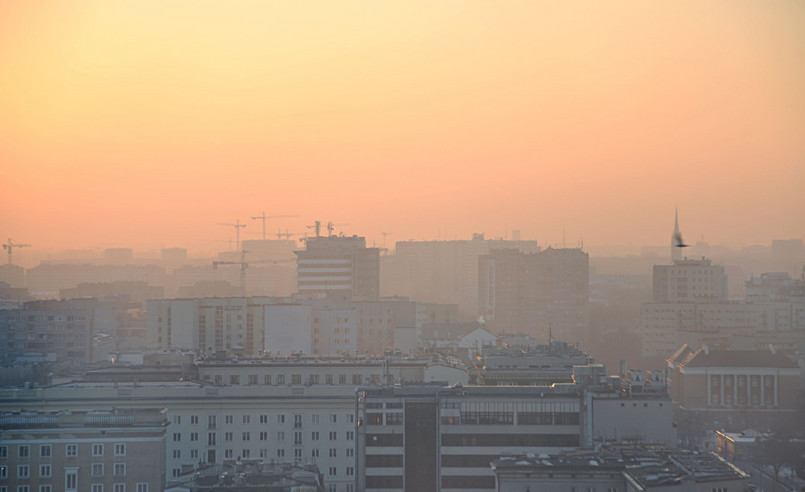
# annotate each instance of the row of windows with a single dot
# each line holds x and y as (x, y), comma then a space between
(46, 470)
(280, 379)
(70, 450)
(263, 436)
(298, 419)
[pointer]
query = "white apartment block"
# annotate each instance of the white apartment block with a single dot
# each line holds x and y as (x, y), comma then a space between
(689, 280)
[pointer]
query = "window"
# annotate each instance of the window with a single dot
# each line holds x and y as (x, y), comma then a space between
(142, 487)
(333, 418)
(234, 379)
(246, 453)
(120, 469)
(120, 449)
(97, 487)
(228, 436)
(228, 453)
(246, 436)
(351, 418)
(211, 439)
(97, 449)
(342, 379)
(333, 453)
(45, 471)
(3, 451)
(194, 454)
(331, 471)
(333, 435)
(45, 451)
(314, 419)
(264, 436)
(46, 488)
(23, 451)
(328, 379)
(71, 479)
(177, 420)
(350, 435)
(194, 419)
(296, 379)
(194, 436)
(280, 419)
(314, 453)
(280, 436)
(252, 379)
(3, 472)
(350, 471)
(280, 453)
(177, 454)
(247, 419)
(23, 488)
(280, 379)
(314, 436)
(263, 419)
(297, 438)
(97, 469)
(350, 452)
(297, 421)
(177, 436)
(211, 421)
(267, 379)
(229, 419)
(119, 487)
(23, 471)
(71, 450)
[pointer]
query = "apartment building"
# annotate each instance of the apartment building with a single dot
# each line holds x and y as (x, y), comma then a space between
(538, 293)
(114, 450)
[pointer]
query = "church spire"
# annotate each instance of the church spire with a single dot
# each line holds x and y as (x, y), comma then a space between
(676, 239)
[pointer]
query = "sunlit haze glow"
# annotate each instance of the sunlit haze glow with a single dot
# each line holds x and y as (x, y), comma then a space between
(144, 124)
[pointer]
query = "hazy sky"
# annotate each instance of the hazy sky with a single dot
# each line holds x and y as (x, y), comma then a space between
(146, 123)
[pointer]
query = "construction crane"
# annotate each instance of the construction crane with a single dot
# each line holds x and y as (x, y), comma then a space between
(244, 265)
(10, 245)
(265, 217)
(238, 226)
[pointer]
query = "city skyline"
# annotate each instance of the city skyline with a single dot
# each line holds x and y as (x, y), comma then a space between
(145, 125)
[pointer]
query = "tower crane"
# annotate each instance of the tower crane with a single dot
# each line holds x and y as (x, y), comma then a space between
(384, 238)
(331, 227)
(10, 245)
(265, 217)
(244, 265)
(238, 226)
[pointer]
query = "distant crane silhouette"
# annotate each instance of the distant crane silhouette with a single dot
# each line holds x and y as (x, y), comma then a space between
(10, 245)
(238, 226)
(265, 217)
(244, 265)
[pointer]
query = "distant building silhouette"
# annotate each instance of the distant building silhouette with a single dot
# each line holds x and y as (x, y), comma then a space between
(536, 293)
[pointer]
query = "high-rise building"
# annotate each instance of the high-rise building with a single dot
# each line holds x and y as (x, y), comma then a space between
(342, 265)
(541, 294)
(444, 272)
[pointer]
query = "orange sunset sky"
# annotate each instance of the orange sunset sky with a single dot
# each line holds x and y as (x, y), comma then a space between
(144, 124)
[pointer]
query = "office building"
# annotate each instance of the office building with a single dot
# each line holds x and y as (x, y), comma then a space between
(342, 265)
